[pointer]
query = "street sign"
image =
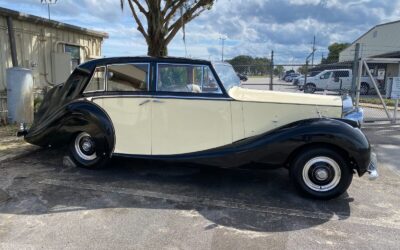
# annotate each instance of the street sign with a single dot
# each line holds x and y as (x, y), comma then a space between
(395, 94)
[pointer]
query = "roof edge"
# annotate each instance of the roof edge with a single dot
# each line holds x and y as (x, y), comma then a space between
(54, 24)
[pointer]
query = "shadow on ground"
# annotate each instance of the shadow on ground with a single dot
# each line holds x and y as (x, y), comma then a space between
(251, 200)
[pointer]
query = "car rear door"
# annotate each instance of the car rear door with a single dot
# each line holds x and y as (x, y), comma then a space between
(189, 111)
(128, 104)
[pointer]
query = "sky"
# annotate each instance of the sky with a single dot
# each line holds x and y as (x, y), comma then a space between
(251, 27)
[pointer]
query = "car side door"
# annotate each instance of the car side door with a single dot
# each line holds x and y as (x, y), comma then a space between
(340, 80)
(190, 113)
(127, 102)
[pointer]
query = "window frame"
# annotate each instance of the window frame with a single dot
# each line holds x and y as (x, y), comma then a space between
(221, 93)
(130, 63)
(91, 77)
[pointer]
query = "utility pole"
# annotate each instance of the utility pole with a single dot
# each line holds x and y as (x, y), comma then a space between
(271, 71)
(48, 2)
(222, 47)
(313, 50)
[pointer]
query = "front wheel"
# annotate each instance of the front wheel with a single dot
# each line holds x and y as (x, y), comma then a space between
(321, 173)
(309, 88)
(82, 149)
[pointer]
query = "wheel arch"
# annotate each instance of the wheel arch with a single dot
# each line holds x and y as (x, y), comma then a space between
(75, 117)
(343, 152)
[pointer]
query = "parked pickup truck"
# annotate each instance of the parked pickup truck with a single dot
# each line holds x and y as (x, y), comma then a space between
(335, 80)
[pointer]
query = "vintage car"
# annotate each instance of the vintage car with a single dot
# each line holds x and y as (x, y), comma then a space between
(185, 110)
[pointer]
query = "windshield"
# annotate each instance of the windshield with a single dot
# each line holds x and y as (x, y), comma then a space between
(227, 75)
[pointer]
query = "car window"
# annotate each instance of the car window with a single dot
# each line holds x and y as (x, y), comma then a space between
(326, 75)
(127, 77)
(341, 74)
(97, 82)
(186, 79)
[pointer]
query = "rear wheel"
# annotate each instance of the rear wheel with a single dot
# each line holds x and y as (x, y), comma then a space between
(83, 152)
(309, 88)
(321, 173)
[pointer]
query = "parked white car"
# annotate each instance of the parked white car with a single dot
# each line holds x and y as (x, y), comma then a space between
(335, 80)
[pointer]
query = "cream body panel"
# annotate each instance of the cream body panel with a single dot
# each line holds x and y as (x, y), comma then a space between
(182, 126)
(252, 95)
(237, 120)
(131, 121)
(263, 117)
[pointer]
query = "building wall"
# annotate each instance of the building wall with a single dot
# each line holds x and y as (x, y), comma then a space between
(36, 42)
(379, 40)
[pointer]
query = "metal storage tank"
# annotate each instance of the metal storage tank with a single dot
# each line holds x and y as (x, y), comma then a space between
(19, 95)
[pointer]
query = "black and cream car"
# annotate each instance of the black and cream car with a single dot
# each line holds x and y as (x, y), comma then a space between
(184, 110)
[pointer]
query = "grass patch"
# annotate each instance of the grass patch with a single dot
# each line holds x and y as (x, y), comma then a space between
(8, 130)
(377, 101)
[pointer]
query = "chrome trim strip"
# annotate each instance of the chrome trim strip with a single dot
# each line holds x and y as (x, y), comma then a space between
(163, 97)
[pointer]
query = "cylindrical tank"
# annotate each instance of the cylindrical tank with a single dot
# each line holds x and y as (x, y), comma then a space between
(19, 95)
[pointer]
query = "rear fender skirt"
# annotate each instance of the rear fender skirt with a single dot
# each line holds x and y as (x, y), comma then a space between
(75, 117)
(276, 147)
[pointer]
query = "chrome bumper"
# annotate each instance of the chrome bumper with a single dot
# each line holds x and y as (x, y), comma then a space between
(372, 168)
(357, 114)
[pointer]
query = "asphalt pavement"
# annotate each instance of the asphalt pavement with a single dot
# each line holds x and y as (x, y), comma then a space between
(137, 204)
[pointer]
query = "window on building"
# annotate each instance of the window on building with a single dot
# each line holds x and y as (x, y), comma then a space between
(75, 52)
(128, 77)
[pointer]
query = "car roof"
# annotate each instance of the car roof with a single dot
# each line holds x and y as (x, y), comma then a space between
(131, 59)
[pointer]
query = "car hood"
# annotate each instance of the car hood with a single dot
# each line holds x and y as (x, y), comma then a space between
(253, 95)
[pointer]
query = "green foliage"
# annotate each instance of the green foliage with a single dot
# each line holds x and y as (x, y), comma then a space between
(302, 69)
(253, 66)
(279, 70)
(334, 50)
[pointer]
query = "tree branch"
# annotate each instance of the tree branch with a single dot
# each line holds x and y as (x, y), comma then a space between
(139, 23)
(183, 20)
(189, 15)
(175, 6)
(141, 8)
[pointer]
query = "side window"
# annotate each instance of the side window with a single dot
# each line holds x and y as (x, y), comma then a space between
(128, 77)
(326, 75)
(341, 74)
(97, 81)
(186, 79)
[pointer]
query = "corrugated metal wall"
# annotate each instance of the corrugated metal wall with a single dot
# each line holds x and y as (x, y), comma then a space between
(35, 43)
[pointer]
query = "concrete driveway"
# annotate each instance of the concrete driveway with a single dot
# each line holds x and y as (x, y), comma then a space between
(138, 204)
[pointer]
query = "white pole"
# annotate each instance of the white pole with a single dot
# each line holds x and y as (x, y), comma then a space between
(396, 105)
(376, 88)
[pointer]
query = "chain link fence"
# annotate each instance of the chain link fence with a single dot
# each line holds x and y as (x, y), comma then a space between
(330, 79)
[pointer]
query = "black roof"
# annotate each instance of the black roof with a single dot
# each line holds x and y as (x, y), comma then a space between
(114, 60)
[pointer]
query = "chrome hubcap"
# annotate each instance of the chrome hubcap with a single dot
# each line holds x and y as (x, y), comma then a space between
(321, 174)
(85, 147)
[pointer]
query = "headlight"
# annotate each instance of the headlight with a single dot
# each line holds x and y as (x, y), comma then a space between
(350, 112)
(347, 104)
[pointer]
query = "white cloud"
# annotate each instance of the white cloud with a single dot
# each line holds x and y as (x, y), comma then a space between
(252, 27)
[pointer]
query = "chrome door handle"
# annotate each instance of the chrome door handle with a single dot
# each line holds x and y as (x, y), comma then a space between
(144, 102)
(158, 101)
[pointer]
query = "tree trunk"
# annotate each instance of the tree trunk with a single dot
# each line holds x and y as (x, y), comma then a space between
(157, 44)
(157, 48)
